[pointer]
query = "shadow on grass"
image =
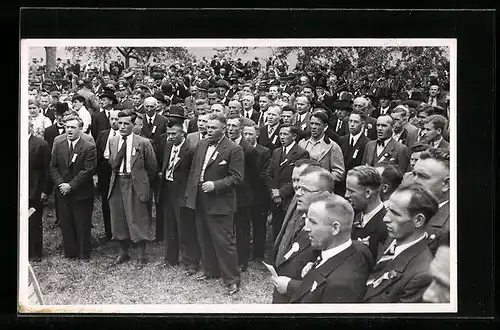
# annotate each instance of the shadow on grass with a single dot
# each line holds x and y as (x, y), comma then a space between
(73, 282)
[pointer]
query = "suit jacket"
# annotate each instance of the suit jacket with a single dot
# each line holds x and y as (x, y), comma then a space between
(85, 136)
(125, 104)
(50, 113)
(304, 126)
(394, 152)
(341, 279)
(192, 126)
(192, 139)
(262, 185)
(408, 138)
(99, 123)
(270, 142)
(411, 277)
(103, 166)
(244, 192)
(255, 115)
(143, 165)
(344, 126)
(331, 158)
(438, 227)
(39, 159)
(444, 145)
(353, 156)
(225, 168)
(77, 170)
(370, 129)
(51, 133)
(180, 171)
(375, 230)
(160, 122)
(281, 171)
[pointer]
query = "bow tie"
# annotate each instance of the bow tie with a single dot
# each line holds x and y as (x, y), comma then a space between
(380, 143)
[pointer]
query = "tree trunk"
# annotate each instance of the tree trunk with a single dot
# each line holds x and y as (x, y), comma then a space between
(50, 59)
(127, 61)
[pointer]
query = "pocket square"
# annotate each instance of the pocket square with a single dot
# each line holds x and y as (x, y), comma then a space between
(314, 286)
(223, 162)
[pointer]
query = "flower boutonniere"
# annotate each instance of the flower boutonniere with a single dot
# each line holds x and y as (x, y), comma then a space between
(369, 125)
(386, 276)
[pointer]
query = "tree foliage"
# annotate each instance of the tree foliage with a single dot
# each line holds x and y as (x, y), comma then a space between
(232, 51)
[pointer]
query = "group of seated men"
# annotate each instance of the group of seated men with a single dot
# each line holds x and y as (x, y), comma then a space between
(357, 196)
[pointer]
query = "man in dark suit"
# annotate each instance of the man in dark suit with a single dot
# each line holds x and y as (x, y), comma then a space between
(248, 101)
(384, 106)
(401, 274)
(244, 192)
(340, 271)
(46, 108)
(269, 133)
(103, 169)
(180, 243)
(385, 148)
(362, 191)
(261, 187)
(72, 166)
(434, 127)
(303, 105)
(353, 144)
(39, 158)
(217, 169)
(154, 126)
(134, 168)
(401, 133)
(100, 119)
(434, 98)
(57, 128)
(282, 161)
(433, 171)
(291, 250)
(370, 129)
(339, 119)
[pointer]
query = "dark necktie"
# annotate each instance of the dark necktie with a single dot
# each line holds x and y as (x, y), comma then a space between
(358, 220)
(352, 141)
(171, 164)
(150, 121)
(70, 150)
(121, 157)
(380, 143)
(248, 115)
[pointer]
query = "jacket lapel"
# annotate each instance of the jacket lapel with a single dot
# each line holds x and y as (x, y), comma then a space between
(388, 149)
(134, 151)
(182, 151)
(397, 265)
(303, 241)
(65, 149)
(288, 216)
(291, 155)
(166, 157)
(320, 274)
(324, 152)
(218, 151)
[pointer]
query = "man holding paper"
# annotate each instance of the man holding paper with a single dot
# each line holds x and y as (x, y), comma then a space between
(72, 166)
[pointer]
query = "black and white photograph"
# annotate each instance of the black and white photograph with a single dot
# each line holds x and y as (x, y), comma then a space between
(238, 176)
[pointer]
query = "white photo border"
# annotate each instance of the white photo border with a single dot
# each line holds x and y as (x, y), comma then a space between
(25, 307)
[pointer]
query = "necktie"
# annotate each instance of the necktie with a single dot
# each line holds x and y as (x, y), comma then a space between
(170, 169)
(114, 133)
(352, 141)
(261, 120)
(380, 143)
(386, 257)
(358, 220)
(70, 150)
(122, 157)
(248, 115)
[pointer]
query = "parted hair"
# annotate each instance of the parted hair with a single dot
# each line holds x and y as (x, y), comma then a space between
(439, 154)
(321, 115)
(368, 176)
(128, 113)
(241, 121)
(360, 113)
(338, 209)
(293, 129)
(73, 117)
(422, 200)
(438, 121)
(391, 174)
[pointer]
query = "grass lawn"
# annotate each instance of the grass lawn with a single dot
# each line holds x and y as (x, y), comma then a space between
(72, 282)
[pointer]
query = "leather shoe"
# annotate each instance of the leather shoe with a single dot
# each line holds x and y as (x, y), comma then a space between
(191, 272)
(203, 277)
(141, 262)
(122, 258)
(232, 289)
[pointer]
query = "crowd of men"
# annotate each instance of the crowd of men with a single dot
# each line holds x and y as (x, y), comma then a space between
(355, 190)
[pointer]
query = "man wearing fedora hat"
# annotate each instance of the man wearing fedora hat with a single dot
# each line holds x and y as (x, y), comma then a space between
(383, 107)
(100, 119)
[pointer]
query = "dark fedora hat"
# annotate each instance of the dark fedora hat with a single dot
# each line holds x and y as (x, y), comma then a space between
(110, 96)
(176, 111)
(160, 97)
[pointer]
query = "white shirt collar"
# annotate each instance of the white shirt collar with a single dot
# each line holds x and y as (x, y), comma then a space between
(384, 110)
(74, 142)
(272, 127)
(302, 117)
(400, 248)
(368, 216)
(356, 137)
(180, 145)
(129, 138)
(442, 204)
(238, 140)
(152, 118)
(386, 142)
(437, 142)
(287, 149)
(330, 253)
